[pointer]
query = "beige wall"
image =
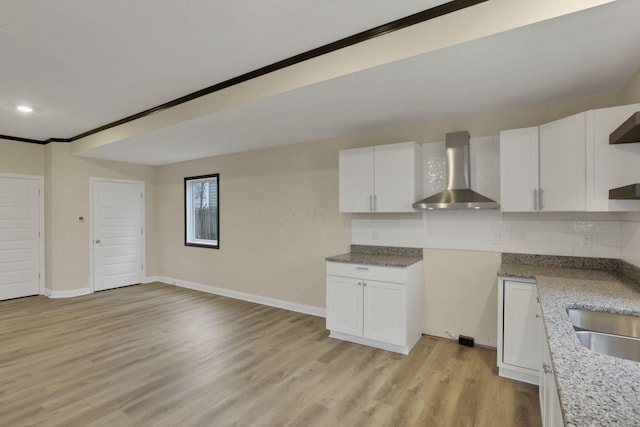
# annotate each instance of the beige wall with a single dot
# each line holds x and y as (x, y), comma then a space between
(631, 92)
(278, 220)
(461, 294)
(21, 158)
(67, 197)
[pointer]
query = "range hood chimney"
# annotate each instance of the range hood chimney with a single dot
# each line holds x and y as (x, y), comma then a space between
(458, 194)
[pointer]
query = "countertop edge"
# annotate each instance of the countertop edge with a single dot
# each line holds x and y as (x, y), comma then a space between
(374, 259)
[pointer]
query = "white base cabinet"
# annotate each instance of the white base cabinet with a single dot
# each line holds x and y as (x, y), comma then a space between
(518, 334)
(376, 306)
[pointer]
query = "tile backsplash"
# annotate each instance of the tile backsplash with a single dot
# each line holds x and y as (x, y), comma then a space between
(573, 234)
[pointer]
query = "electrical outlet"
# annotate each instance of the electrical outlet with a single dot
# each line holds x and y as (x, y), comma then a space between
(465, 340)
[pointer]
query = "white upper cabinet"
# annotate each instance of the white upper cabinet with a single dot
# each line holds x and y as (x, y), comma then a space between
(356, 180)
(610, 166)
(568, 164)
(519, 170)
(385, 178)
(543, 168)
(562, 165)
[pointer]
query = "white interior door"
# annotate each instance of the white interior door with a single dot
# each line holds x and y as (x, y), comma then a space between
(20, 236)
(118, 233)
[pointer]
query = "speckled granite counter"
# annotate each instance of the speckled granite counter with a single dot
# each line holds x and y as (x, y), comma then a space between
(379, 255)
(594, 389)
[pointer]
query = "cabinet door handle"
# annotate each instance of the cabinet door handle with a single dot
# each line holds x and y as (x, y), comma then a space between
(375, 203)
(370, 202)
(362, 268)
(535, 199)
(541, 199)
(364, 283)
(538, 316)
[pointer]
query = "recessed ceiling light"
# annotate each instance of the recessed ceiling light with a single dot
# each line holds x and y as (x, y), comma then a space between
(24, 108)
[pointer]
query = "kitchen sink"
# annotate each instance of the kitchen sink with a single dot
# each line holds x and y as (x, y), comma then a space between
(611, 345)
(609, 323)
(616, 335)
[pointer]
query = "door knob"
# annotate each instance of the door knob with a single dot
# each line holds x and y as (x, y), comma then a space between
(98, 241)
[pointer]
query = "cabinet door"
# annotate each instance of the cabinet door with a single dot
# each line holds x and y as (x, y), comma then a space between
(543, 386)
(344, 305)
(550, 410)
(521, 334)
(395, 177)
(356, 180)
(562, 164)
(385, 313)
(519, 170)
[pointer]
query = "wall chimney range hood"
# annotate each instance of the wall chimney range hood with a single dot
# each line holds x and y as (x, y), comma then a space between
(458, 194)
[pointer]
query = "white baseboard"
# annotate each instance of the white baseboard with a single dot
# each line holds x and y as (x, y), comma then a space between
(272, 302)
(67, 294)
(150, 279)
(402, 349)
(531, 377)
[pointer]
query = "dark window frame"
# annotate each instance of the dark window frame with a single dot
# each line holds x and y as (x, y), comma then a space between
(187, 180)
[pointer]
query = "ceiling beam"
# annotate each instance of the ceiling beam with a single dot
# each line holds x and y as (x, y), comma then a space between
(385, 44)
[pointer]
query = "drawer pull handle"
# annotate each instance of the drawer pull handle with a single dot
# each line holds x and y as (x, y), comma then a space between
(362, 268)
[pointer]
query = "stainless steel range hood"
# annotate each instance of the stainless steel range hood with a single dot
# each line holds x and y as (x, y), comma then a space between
(458, 194)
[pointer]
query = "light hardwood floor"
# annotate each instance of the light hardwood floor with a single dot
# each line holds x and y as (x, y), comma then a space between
(157, 355)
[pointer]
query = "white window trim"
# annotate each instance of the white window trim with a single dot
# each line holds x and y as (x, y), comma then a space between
(189, 214)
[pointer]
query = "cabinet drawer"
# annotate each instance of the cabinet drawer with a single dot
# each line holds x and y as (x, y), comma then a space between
(368, 272)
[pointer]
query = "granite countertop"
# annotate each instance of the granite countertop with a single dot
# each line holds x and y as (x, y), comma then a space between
(594, 389)
(379, 255)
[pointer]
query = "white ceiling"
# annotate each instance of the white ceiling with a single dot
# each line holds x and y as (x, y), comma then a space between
(83, 64)
(107, 74)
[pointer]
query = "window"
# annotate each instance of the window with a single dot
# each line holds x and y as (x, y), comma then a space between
(202, 223)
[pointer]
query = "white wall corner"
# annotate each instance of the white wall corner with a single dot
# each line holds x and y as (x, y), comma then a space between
(258, 299)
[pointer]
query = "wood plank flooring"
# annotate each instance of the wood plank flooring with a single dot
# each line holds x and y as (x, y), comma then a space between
(158, 355)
